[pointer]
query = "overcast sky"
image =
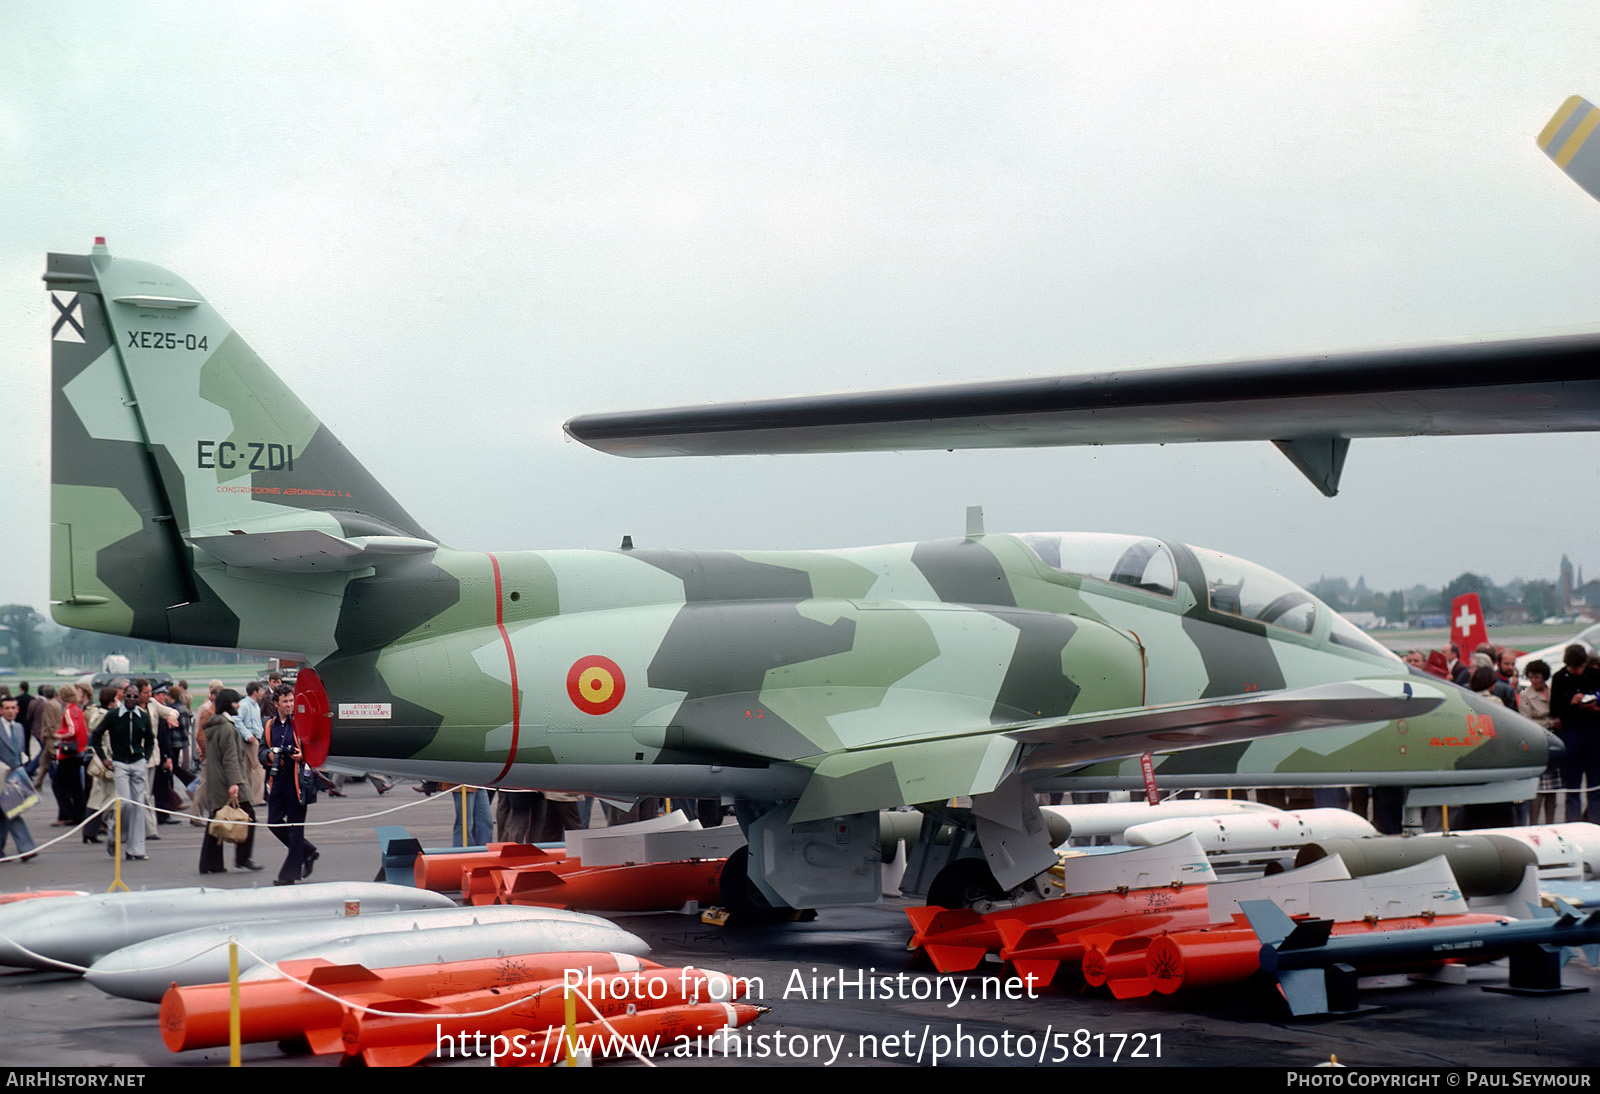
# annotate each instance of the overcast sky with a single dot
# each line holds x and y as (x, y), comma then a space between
(450, 227)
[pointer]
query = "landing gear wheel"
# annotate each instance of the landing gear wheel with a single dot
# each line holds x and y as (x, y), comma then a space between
(745, 902)
(964, 883)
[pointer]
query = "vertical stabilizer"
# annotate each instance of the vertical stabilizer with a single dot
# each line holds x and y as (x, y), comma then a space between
(170, 432)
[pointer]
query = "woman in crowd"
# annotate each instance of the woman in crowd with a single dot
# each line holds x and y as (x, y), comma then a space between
(225, 775)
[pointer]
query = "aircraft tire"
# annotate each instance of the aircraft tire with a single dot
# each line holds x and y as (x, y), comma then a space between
(964, 883)
(740, 896)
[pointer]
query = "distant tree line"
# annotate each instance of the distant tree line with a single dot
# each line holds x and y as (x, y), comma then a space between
(30, 640)
(1516, 602)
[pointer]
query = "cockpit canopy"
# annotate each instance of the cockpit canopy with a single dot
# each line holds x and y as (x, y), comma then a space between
(1241, 588)
(1135, 561)
(1233, 586)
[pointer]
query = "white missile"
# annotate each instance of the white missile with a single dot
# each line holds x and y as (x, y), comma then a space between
(577, 932)
(147, 969)
(1113, 818)
(81, 930)
(1576, 844)
(1254, 831)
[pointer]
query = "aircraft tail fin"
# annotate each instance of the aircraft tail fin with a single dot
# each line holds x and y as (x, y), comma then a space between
(180, 461)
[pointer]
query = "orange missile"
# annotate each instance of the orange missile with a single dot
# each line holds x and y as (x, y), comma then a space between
(646, 1031)
(494, 884)
(645, 887)
(1106, 957)
(275, 1010)
(957, 940)
(442, 872)
(402, 1039)
(954, 939)
(1040, 952)
(482, 885)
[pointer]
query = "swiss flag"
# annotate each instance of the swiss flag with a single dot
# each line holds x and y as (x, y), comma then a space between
(1467, 630)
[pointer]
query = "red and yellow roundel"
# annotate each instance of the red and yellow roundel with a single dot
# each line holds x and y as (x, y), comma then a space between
(595, 684)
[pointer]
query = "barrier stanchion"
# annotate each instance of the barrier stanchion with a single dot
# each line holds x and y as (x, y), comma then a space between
(116, 847)
(233, 1003)
(571, 1034)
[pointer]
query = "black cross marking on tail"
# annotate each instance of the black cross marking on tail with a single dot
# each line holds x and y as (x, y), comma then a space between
(66, 316)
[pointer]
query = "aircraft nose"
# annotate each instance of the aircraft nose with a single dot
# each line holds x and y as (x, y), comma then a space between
(1516, 742)
(1558, 749)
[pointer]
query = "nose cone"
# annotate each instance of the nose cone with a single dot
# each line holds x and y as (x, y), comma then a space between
(1502, 738)
(1558, 750)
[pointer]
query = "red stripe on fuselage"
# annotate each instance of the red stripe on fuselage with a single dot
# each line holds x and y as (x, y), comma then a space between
(511, 659)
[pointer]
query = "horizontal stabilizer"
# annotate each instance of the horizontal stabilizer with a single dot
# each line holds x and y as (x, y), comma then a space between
(309, 551)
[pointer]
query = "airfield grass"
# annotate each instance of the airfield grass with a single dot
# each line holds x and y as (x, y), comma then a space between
(1523, 636)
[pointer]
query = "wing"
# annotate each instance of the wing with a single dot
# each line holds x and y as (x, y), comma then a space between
(1530, 385)
(1310, 406)
(975, 762)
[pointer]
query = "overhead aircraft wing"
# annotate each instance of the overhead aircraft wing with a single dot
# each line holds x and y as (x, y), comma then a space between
(1309, 406)
(976, 762)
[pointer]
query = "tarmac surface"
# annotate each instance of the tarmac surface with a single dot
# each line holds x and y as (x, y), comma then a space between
(834, 985)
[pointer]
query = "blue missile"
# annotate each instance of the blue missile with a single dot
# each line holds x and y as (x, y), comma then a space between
(1301, 954)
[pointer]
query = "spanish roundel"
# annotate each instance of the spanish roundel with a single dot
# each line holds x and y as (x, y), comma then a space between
(595, 684)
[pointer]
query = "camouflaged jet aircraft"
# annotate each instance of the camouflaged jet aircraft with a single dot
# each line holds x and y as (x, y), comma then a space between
(195, 499)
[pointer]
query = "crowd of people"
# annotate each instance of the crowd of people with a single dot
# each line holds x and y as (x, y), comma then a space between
(1566, 703)
(139, 742)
